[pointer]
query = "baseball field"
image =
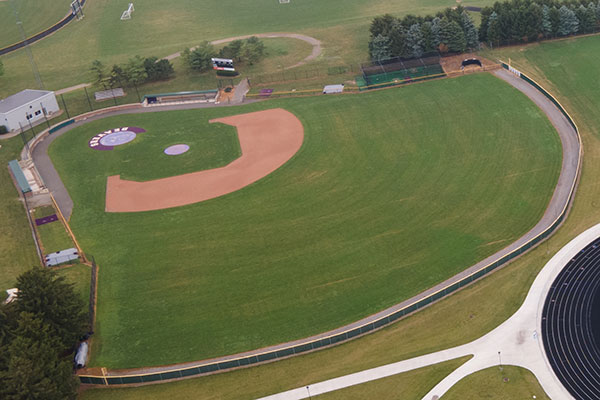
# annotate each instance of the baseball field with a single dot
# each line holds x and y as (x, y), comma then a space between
(342, 230)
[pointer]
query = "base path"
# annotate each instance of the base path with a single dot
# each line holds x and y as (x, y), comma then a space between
(268, 139)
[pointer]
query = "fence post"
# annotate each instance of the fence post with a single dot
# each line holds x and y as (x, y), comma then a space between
(88, 98)
(65, 106)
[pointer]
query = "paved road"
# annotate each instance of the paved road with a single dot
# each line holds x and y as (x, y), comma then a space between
(560, 199)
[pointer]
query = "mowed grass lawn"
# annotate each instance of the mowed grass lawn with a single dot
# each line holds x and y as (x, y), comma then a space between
(159, 28)
(17, 249)
(384, 199)
(36, 15)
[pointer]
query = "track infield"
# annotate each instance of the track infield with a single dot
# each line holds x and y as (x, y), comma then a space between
(342, 230)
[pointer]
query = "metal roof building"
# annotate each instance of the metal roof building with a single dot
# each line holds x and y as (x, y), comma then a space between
(27, 106)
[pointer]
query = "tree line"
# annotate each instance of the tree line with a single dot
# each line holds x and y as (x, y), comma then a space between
(38, 334)
(453, 30)
(136, 71)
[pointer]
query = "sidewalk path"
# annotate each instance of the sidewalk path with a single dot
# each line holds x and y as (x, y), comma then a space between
(516, 342)
(73, 88)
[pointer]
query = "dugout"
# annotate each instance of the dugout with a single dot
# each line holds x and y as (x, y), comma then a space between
(470, 61)
(198, 96)
(398, 70)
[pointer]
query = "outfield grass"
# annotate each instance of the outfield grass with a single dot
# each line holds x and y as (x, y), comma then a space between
(36, 15)
(161, 28)
(508, 383)
(17, 249)
(286, 257)
(466, 315)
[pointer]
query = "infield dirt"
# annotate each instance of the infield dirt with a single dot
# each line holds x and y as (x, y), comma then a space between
(267, 138)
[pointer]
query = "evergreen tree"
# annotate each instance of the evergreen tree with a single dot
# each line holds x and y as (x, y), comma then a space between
(493, 33)
(135, 71)
(436, 31)
(51, 299)
(471, 34)
(398, 43)
(569, 23)
(157, 69)
(382, 25)
(233, 50)
(483, 26)
(428, 40)
(34, 370)
(379, 48)
(254, 50)
(199, 59)
(414, 41)
(555, 20)
(593, 12)
(546, 23)
(453, 36)
(586, 21)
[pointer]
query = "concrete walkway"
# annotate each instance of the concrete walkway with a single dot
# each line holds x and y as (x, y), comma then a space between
(516, 342)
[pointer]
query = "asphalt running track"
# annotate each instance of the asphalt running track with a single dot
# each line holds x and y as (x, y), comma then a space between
(560, 200)
(567, 324)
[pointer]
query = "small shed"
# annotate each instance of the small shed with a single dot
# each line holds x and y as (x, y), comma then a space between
(27, 106)
(331, 89)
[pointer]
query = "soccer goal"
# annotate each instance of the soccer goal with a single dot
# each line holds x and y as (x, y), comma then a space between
(284, 1)
(127, 13)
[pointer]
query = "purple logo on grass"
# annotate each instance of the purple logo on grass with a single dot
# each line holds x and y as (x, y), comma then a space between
(107, 140)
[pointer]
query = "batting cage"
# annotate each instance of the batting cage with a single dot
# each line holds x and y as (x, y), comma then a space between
(396, 71)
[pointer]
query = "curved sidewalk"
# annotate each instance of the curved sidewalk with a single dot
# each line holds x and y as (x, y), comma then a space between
(551, 218)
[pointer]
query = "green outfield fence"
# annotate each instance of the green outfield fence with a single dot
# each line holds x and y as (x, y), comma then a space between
(394, 314)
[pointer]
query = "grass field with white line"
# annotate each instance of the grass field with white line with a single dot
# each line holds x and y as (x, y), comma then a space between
(383, 200)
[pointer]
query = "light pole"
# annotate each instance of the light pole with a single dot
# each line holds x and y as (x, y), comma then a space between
(36, 73)
(308, 390)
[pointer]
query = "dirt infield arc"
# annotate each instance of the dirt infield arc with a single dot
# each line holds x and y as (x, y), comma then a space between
(268, 139)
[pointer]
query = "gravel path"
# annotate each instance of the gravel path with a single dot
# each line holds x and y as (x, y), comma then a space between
(315, 43)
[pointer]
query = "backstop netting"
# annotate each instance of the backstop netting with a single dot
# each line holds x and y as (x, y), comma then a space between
(397, 70)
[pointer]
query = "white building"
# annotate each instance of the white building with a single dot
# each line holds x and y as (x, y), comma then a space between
(25, 107)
